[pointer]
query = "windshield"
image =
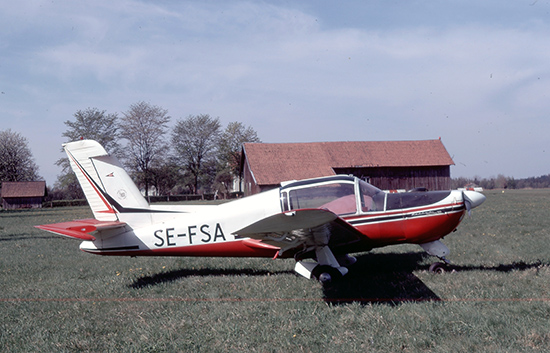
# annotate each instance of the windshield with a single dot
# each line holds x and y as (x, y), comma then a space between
(372, 198)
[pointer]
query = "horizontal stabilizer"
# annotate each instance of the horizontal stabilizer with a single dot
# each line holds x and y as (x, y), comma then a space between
(81, 229)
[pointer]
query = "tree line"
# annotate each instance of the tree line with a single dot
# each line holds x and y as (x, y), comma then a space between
(503, 182)
(197, 155)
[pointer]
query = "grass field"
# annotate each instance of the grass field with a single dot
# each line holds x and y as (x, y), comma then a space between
(55, 298)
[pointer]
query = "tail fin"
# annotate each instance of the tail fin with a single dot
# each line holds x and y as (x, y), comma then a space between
(108, 188)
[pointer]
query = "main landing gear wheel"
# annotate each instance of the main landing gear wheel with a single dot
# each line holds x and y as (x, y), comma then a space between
(439, 267)
(326, 274)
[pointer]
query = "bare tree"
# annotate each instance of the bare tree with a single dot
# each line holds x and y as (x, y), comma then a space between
(229, 151)
(16, 160)
(194, 140)
(92, 124)
(144, 126)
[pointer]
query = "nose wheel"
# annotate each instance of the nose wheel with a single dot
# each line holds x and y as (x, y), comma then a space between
(439, 267)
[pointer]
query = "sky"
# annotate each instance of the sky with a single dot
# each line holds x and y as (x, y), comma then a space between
(474, 73)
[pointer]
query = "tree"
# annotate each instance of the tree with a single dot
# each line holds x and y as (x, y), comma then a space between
(165, 178)
(16, 160)
(92, 124)
(501, 182)
(144, 126)
(229, 151)
(194, 140)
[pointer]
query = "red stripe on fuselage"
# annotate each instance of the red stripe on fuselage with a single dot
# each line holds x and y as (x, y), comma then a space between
(238, 248)
(405, 211)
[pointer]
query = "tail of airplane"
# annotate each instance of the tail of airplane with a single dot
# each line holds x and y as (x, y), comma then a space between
(111, 193)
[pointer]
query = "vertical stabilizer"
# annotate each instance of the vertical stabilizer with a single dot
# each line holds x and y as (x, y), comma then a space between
(108, 188)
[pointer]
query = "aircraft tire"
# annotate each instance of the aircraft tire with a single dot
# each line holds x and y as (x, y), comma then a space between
(326, 274)
(325, 278)
(438, 268)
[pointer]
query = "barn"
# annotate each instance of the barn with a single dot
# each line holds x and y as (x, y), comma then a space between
(389, 165)
(26, 194)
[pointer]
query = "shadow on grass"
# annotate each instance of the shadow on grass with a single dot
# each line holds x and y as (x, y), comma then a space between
(385, 278)
(514, 266)
(388, 279)
(27, 237)
(381, 278)
(171, 276)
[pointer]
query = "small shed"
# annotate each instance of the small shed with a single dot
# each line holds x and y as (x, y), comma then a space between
(25, 194)
(388, 165)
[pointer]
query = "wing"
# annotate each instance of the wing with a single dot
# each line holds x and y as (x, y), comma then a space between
(302, 231)
(84, 229)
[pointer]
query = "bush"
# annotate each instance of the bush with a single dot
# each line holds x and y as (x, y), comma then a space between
(65, 203)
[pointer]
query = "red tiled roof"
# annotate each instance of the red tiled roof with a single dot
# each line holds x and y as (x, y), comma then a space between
(272, 163)
(24, 189)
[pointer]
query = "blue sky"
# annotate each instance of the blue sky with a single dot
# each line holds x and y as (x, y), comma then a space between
(475, 73)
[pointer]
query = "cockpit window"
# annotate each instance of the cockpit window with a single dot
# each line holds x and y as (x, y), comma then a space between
(372, 198)
(336, 197)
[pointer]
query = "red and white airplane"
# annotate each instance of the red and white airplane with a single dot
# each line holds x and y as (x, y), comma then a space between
(318, 222)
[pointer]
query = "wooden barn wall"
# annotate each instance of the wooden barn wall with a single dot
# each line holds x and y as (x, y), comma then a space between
(12, 203)
(386, 178)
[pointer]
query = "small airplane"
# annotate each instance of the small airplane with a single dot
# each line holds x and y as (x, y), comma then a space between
(318, 222)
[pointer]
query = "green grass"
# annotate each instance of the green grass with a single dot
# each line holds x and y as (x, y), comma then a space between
(55, 298)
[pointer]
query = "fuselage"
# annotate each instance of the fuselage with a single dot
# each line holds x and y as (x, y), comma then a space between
(382, 218)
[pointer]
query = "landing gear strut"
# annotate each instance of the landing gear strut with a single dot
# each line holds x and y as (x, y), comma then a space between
(327, 268)
(438, 249)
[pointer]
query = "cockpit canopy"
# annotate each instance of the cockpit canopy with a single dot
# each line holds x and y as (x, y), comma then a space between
(345, 195)
(339, 194)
